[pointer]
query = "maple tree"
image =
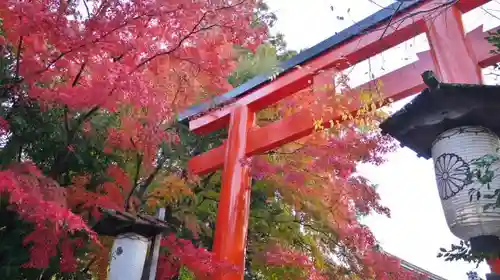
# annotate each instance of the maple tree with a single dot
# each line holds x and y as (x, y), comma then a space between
(83, 99)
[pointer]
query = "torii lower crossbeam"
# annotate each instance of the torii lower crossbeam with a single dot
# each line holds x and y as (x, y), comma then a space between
(452, 57)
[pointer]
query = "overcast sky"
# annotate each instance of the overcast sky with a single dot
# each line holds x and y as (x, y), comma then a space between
(406, 184)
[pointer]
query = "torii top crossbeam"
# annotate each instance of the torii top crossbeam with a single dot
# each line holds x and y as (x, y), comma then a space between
(454, 56)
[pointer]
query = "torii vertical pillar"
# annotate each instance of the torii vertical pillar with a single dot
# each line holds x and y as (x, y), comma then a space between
(454, 59)
(234, 203)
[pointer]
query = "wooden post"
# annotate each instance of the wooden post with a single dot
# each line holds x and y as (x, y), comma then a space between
(151, 265)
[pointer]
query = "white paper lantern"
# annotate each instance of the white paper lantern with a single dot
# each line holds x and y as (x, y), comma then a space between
(128, 257)
(452, 153)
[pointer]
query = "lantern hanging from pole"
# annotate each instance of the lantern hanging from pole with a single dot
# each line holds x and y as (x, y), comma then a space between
(457, 125)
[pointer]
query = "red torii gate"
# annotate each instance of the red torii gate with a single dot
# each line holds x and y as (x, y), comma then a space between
(454, 56)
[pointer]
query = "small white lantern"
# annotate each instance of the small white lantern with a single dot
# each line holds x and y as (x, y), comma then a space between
(128, 257)
(132, 242)
(452, 153)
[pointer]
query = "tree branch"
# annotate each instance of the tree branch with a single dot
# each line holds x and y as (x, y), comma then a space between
(145, 184)
(18, 56)
(97, 40)
(66, 124)
(78, 75)
(193, 31)
(87, 8)
(177, 46)
(138, 160)
(62, 155)
(136, 176)
(442, 5)
(89, 264)
(390, 20)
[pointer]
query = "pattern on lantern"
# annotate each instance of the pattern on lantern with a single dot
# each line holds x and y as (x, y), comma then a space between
(459, 130)
(453, 152)
(452, 174)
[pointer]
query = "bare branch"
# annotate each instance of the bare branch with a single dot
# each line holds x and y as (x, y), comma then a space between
(18, 56)
(193, 31)
(87, 8)
(78, 75)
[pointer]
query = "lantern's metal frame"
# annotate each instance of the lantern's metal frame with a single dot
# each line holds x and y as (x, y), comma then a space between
(454, 56)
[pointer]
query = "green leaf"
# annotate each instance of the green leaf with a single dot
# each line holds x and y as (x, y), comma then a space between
(211, 194)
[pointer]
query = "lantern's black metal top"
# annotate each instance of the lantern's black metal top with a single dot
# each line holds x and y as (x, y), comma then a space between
(441, 107)
(114, 223)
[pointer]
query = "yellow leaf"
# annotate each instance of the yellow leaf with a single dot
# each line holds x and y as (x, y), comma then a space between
(338, 125)
(318, 124)
(365, 96)
(101, 255)
(169, 190)
(379, 84)
(361, 122)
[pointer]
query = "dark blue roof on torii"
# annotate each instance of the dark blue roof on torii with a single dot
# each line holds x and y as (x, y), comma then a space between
(364, 25)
